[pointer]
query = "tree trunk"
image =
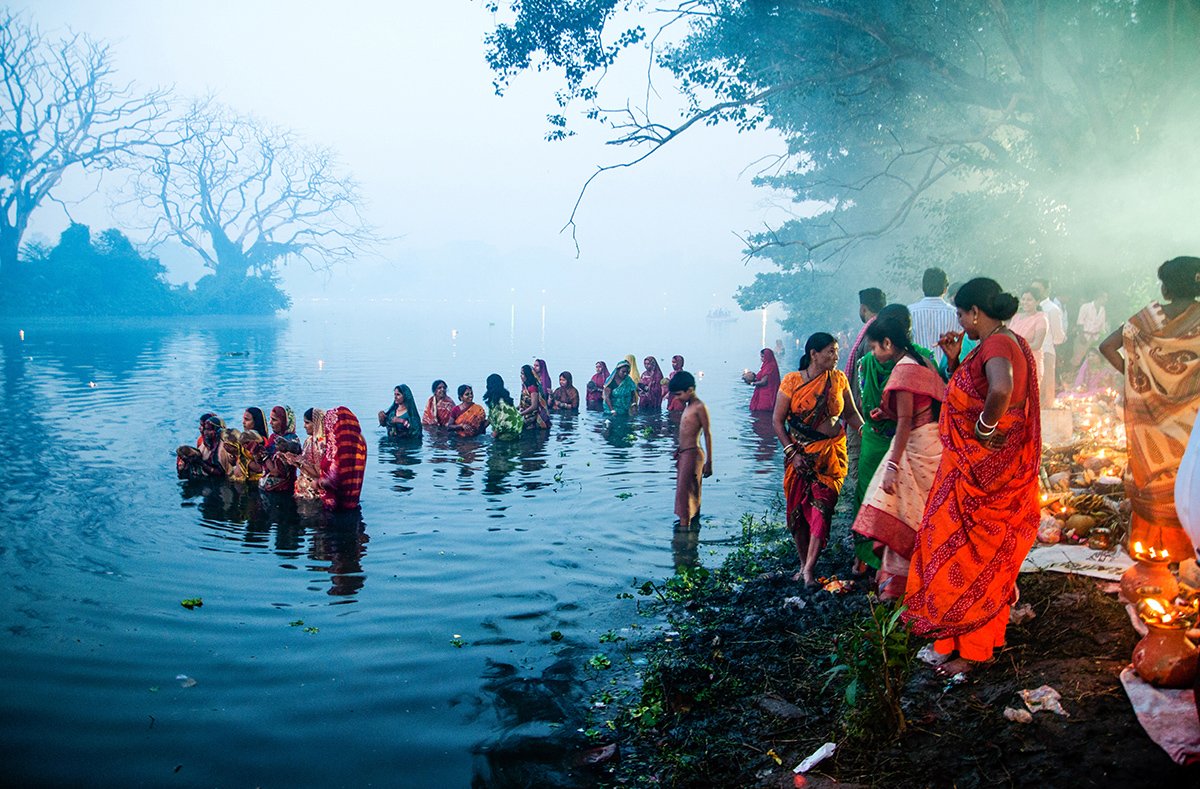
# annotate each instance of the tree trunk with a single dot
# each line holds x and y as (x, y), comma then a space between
(10, 245)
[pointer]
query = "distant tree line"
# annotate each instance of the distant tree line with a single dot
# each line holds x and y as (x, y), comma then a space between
(241, 193)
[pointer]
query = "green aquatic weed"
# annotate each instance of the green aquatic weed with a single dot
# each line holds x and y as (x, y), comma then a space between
(556, 635)
(191, 603)
(297, 623)
(312, 631)
(624, 496)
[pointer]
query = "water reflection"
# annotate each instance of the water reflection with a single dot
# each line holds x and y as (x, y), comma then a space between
(404, 454)
(685, 544)
(763, 428)
(278, 523)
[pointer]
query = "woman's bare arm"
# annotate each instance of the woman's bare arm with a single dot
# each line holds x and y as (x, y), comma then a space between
(1110, 349)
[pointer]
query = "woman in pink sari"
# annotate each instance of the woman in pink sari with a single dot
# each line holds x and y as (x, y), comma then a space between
(650, 389)
(766, 383)
(595, 387)
(673, 403)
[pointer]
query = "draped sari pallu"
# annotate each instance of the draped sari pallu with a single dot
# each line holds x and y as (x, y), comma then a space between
(981, 519)
(1162, 393)
(345, 460)
(811, 493)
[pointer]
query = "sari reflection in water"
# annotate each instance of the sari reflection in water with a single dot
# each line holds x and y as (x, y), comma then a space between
(808, 422)
(595, 387)
(673, 403)
(766, 383)
(983, 509)
(1162, 394)
(469, 417)
(437, 410)
(505, 419)
(651, 389)
(344, 462)
(894, 499)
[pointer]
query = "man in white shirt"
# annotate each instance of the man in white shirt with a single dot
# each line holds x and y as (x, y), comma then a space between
(1092, 323)
(932, 316)
(1054, 337)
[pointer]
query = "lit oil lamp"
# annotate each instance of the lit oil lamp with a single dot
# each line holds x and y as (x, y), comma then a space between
(1150, 570)
(1166, 657)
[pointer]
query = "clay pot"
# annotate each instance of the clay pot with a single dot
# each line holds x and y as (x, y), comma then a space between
(1148, 573)
(1166, 658)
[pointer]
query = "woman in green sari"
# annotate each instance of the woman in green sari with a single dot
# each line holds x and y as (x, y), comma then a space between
(506, 421)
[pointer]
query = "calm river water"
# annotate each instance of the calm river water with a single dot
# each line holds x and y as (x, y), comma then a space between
(490, 544)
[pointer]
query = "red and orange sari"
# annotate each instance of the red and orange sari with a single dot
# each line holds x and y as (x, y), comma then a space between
(983, 510)
(474, 419)
(1162, 394)
(812, 493)
(344, 462)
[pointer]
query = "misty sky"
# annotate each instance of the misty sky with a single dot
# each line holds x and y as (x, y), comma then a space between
(402, 91)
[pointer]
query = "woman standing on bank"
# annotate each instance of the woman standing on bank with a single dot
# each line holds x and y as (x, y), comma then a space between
(983, 509)
(808, 420)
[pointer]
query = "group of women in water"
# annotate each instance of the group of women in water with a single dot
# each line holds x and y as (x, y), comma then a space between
(327, 467)
(623, 391)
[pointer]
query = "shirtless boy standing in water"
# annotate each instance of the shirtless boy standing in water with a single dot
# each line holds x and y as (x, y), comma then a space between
(690, 461)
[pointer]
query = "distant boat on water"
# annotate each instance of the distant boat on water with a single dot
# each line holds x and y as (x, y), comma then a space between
(718, 315)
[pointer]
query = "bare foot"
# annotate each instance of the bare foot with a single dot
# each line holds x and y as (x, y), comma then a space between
(960, 666)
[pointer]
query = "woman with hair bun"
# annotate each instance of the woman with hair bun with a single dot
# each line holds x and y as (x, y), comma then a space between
(808, 420)
(983, 513)
(1161, 366)
(906, 402)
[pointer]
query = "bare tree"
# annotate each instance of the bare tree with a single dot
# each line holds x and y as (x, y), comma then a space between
(245, 195)
(59, 108)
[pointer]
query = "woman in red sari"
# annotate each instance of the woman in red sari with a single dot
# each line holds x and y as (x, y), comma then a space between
(766, 383)
(595, 387)
(808, 422)
(983, 509)
(437, 410)
(344, 461)
(651, 390)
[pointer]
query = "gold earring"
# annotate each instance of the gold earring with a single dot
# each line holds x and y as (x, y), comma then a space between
(975, 321)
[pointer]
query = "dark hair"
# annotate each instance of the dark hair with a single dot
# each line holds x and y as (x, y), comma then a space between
(986, 294)
(953, 291)
(496, 393)
(935, 282)
(566, 374)
(1041, 287)
(816, 342)
(894, 323)
(308, 415)
(437, 383)
(682, 380)
(873, 299)
(260, 421)
(462, 390)
(528, 378)
(1178, 276)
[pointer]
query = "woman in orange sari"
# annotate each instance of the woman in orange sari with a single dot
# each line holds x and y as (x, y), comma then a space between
(469, 417)
(437, 410)
(983, 509)
(808, 422)
(1162, 393)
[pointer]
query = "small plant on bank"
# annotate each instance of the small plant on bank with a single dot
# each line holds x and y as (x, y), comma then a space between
(875, 661)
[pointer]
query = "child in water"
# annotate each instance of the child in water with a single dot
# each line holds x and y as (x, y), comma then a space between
(691, 463)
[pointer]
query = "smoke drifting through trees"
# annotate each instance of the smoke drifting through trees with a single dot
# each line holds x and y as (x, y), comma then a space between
(986, 137)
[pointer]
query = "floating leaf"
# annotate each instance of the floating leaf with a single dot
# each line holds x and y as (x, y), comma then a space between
(555, 635)
(191, 602)
(312, 631)
(297, 623)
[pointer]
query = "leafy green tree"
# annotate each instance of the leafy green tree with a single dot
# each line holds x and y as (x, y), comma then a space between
(915, 129)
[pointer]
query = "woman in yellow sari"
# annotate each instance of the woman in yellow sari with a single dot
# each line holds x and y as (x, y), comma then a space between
(808, 422)
(1161, 366)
